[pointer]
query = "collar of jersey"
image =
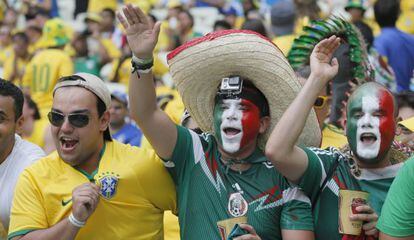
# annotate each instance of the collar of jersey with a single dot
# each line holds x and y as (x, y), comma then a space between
(91, 177)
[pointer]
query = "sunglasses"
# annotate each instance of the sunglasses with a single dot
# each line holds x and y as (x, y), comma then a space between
(78, 120)
(320, 102)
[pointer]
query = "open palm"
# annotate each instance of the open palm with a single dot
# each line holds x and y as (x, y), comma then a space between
(320, 60)
(141, 36)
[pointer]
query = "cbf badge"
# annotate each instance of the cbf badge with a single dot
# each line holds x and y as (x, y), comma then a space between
(237, 205)
(108, 186)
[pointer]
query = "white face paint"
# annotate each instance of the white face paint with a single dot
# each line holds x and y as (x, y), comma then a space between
(368, 128)
(231, 128)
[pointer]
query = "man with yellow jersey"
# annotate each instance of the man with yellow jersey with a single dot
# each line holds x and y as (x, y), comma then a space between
(92, 187)
(48, 65)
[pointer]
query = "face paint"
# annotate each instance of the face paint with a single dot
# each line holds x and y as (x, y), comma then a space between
(236, 123)
(370, 123)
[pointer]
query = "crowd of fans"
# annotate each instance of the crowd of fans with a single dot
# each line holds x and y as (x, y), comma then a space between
(42, 41)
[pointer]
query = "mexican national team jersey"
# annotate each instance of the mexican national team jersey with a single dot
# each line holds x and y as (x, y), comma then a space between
(135, 191)
(321, 162)
(208, 192)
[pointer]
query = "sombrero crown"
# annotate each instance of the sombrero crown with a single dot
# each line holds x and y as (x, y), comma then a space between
(198, 66)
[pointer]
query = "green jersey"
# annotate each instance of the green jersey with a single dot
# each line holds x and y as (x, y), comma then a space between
(397, 218)
(208, 192)
(321, 163)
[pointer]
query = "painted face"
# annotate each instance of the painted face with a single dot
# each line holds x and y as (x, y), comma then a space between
(370, 123)
(236, 123)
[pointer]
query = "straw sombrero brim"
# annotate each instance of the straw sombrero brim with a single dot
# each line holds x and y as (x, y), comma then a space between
(198, 67)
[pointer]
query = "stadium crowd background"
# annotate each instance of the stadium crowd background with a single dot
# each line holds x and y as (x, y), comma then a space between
(43, 40)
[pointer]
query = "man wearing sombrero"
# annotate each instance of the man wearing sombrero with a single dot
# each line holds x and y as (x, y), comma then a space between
(235, 84)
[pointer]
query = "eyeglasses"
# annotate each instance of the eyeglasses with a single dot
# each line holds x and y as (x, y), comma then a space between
(78, 120)
(320, 102)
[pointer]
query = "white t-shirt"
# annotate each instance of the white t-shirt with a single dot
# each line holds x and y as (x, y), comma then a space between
(23, 154)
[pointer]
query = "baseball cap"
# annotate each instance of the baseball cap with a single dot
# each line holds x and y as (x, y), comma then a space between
(355, 4)
(91, 83)
(282, 17)
(120, 96)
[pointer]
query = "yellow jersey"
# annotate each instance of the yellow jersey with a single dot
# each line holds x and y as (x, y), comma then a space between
(333, 137)
(96, 6)
(42, 73)
(135, 191)
(284, 43)
(171, 226)
(5, 53)
(9, 67)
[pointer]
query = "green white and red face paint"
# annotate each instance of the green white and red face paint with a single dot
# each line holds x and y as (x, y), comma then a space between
(236, 123)
(370, 123)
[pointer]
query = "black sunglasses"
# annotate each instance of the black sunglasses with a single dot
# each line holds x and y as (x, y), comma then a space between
(78, 120)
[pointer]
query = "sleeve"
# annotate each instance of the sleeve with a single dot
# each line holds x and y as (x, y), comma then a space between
(153, 176)
(320, 162)
(27, 213)
(380, 47)
(397, 215)
(187, 152)
(297, 211)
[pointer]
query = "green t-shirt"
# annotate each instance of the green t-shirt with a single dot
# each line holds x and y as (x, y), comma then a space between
(321, 162)
(87, 64)
(397, 217)
(204, 186)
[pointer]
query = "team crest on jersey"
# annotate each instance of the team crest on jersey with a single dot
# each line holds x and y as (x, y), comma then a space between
(237, 205)
(108, 182)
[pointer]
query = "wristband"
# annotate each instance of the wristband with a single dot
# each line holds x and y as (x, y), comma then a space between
(75, 222)
(141, 64)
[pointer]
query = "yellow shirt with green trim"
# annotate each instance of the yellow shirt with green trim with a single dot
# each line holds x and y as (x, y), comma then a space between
(135, 191)
(42, 73)
(9, 68)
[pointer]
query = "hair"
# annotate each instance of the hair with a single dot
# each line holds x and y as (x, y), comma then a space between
(22, 36)
(255, 25)
(386, 12)
(110, 11)
(366, 32)
(189, 16)
(405, 99)
(222, 23)
(8, 89)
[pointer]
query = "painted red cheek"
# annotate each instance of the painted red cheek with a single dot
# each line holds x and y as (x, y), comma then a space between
(387, 122)
(250, 122)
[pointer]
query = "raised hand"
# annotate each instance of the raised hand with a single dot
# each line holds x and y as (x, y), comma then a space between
(322, 67)
(85, 200)
(141, 36)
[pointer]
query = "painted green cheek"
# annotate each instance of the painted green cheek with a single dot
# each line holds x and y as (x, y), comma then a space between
(351, 133)
(217, 123)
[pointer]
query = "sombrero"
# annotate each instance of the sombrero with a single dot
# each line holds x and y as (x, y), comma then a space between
(198, 66)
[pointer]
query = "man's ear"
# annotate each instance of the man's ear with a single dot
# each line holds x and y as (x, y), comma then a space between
(105, 121)
(264, 124)
(19, 125)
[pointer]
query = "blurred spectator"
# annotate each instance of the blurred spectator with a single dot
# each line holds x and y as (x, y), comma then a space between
(34, 33)
(255, 25)
(15, 153)
(48, 65)
(230, 16)
(48, 6)
(248, 7)
(81, 6)
(10, 18)
(405, 21)
(96, 6)
(383, 71)
(108, 29)
(6, 49)
(282, 16)
(395, 45)
(184, 31)
(15, 65)
(221, 25)
(306, 11)
(207, 3)
(83, 61)
(121, 130)
(355, 9)
(405, 102)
